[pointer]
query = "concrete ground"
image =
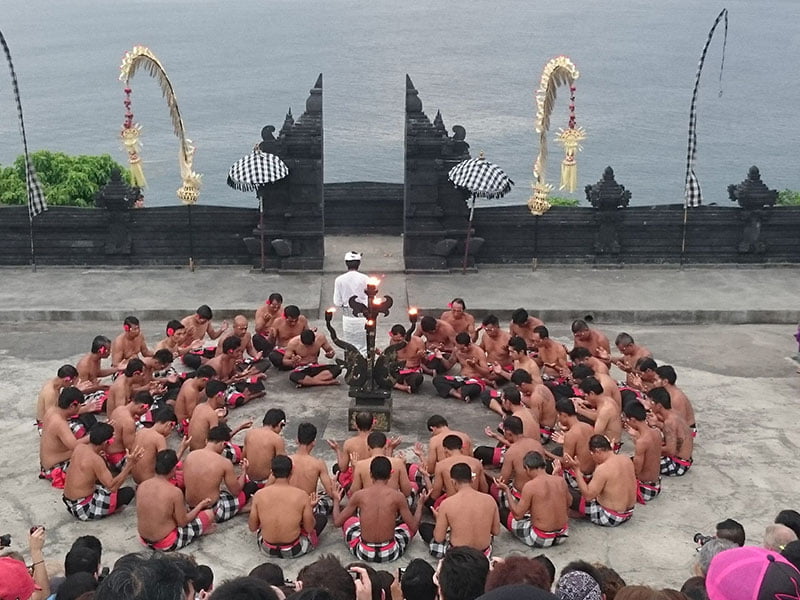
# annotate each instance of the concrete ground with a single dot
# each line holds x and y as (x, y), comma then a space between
(740, 378)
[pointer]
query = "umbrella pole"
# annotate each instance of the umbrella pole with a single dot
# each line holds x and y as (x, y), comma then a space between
(191, 238)
(261, 228)
(683, 238)
(469, 235)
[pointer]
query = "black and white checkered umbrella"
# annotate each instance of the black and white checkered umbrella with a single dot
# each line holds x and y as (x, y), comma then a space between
(481, 178)
(256, 169)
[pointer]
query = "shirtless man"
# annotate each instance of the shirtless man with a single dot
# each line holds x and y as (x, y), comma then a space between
(581, 356)
(353, 449)
(523, 325)
(591, 339)
(189, 395)
(161, 517)
(630, 354)
(302, 353)
(676, 452)
(610, 497)
(512, 469)
(574, 439)
(373, 535)
(644, 375)
(459, 319)
(398, 478)
(263, 338)
(471, 381)
(540, 518)
(153, 440)
(124, 419)
(176, 340)
(551, 354)
(647, 453)
(443, 485)
(58, 442)
(494, 342)
(540, 400)
(243, 386)
(511, 404)
(439, 429)
(518, 353)
(205, 470)
(90, 491)
(66, 376)
(309, 472)
(264, 443)
(410, 377)
(198, 325)
(239, 329)
(128, 344)
(285, 328)
(282, 514)
(466, 517)
(90, 368)
(209, 414)
(124, 386)
(440, 340)
(610, 387)
(680, 401)
(600, 408)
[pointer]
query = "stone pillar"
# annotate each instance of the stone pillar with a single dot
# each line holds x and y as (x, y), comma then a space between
(607, 196)
(117, 197)
(756, 199)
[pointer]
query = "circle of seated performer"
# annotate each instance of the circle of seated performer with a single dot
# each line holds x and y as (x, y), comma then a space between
(67, 376)
(309, 472)
(522, 324)
(443, 484)
(262, 444)
(285, 328)
(90, 490)
(410, 376)
(647, 451)
(459, 319)
(283, 517)
(595, 341)
(243, 385)
(302, 352)
(90, 367)
(474, 371)
(59, 439)
(440, 339)
(161, 517)
(374, 535)
(610, 497)
(198, 326)
(540, 517)
(264, 337)
(676, 452)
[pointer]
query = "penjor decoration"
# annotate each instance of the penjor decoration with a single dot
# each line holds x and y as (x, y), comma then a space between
(559, 71)
(138, 57)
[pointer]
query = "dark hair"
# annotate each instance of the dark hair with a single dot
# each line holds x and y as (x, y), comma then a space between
(165, 414)
(137, 578)
(204, 312)
(533, 460)
(660, 396)
(143, 397)
(352, 264)
(513, 425)
(436, 421)
(520, 376)
(380, 468)
(417, 581)
(452, 442)
(578, 325)
(363, 421)
(81, 559)
(427, 323)
(131, 321)
(163, 356)
(791, 552)
(694, 588)
(458, 301)
(281, 466)
(76, 585)
(734, 531)
(518, 344)
(244, 588)
(100, 341)
(579, 353)
(461, 473)
(372, 574)
(69, 396)
(541, 331)
(215, 387)
(635, 410)
(291, 312)
(490, 320)
(174, 325)
(646, 363)
(275, 296)
(623, 339)
(91, 542)
(565, 405)
(376, 439)
(205, 578)
(206, 371)
(66, 371)
(518, 570)
(100, 433)
(219, 433)
(397, 330)
(166, 460)
(549, 567)
(610, 580)
(463, 573)
(582, 371)
(134, 366)
(231, 343)
(590, 385)
(463, 338)
(269, 572)
(328, 573)
(307, 337)
(519, 316)
(273, 417)
(306, 433)
(511, 393)
(599, 442)
(667, 372)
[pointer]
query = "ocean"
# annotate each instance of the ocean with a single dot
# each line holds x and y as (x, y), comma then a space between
(239, 65)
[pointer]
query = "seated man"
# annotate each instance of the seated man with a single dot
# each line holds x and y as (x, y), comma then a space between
(443, 484)
(676, 451)
(575, 441)
(282, 515)
(494, 343)
(353, 449)
(374, 535)
(510, 448)
(591, 339)
(58, 441)
(540, 400)
(90, 491)
(208, 415)
(124, 419)
(647, 453)
(309, 472)
(302, 353)
(90, 367)
(262, 444)
(599, 407)
(255, 358)
(581, 356)
(518, 355)
(440, 429)
(631, 352)
(204, 471)
(679, 400)
(161, 517)
(189, 395)
(522, 325)
(459, 319)
(128, 344)
(177, 341)
(550, 353)
(378, 447)
(263, 338)
(440, 340)
(125, 385)
(540, 518)
(466, 517)
(153, 440)
(66, 376)
(410, 376)
(198, 325)
(468, 385)
(610, 387)
(610, 497)
(285, 328)
(243, 385)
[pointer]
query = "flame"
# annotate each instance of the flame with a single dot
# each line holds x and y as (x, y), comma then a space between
(412, 312)
(330, 310)
(373, 281)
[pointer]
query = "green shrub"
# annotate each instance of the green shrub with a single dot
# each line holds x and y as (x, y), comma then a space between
(788, 198)
(562, 201)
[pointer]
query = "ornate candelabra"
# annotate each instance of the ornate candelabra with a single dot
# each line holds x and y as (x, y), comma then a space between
(372, 377)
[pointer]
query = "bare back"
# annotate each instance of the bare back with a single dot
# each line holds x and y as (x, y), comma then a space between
(472, 518)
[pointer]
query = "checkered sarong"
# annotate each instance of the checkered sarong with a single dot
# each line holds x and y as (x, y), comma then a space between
(233, 397)
(524, 530)
(438, 549)
(546, 433)
(324, 505)
(302, 545)
(180, 536)
(101, 503)
(502, 497)
(233, 452)
(569, 477)
(228, 505)
(647, 490)
(56, 475)
(599, 515)
(673, 466)
(380, 552)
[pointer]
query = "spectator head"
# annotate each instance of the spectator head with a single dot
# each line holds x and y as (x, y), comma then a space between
(708, 551)
(462, 574)
(518, 591)
(516, 570)
(15, 581)
(417, 581)
(777, 536)
(579, 581)
(76, 585)
(731, 530)
(137, 578)
(328, 573)
(792, 553)
(751, 572)
(82, 559)
(269, 572)
(610, 580)
(375, 583)
(549, 566)
(244, 588)
(790, 518)
(205, 579)
(694, 588)
(313, 593)
(90, 541)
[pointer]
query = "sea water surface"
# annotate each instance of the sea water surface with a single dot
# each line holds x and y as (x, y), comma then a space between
(239, 65)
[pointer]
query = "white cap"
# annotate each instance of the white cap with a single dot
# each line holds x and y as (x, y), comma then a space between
(352, 256)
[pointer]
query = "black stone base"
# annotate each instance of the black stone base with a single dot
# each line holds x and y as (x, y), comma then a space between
(379, 403)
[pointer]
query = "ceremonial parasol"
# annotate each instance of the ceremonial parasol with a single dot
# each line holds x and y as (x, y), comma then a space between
(251, 173)
(481, 179)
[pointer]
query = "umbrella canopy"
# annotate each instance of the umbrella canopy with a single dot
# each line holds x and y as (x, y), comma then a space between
(256, 169)
(481, 178)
